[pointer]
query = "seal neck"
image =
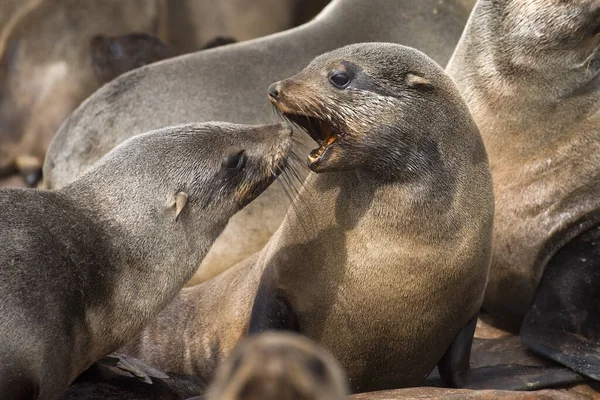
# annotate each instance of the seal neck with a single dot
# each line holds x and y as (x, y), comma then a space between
(500, 78)
(150, 256)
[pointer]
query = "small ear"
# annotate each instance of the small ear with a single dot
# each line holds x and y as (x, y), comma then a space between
(415, 80)
(179, 201)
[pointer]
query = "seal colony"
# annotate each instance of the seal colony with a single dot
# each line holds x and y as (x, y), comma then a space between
(396, 222)
(70, 282)
(206, 86)
(530, 73)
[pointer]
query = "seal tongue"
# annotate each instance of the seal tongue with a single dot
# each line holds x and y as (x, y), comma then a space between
(328, 139)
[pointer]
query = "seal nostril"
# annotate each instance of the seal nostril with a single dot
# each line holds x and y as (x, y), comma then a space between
(273, 92)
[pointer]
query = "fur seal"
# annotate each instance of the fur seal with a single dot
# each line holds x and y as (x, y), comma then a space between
(159, 95)
(116, 245)
(530, 73)
(45, 71)
(369, 261)
(279, 366)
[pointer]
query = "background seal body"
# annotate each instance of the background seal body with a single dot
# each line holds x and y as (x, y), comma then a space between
(279, 366)
(115, 246)
(229, 84)
(530, 73)
(370, 261)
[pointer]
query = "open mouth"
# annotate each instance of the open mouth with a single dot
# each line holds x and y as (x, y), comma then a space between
(320, 130)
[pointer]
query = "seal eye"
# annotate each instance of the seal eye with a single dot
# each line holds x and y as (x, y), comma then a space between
(339, 79)
(235, 161)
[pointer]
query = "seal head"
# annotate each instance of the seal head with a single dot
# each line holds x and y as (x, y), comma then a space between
(348, 101)
(279, 366)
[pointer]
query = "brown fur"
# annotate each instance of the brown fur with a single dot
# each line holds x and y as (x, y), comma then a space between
(384, 261)
(528, 70)
(279, 366)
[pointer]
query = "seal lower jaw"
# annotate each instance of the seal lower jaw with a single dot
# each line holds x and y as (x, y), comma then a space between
(320, 131)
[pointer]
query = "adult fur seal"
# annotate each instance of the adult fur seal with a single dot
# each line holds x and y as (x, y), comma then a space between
(116, 245)
(370, 260)
(530, 73)
(160, 95)
(279, 366)
(45, 70)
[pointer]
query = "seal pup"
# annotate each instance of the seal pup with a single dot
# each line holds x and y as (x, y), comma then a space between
(115, 246)
(530, 73)
(45, 71)
(159, 95)
(279, 366)
(396, 222)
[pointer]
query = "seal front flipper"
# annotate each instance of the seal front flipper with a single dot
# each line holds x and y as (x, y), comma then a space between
(563, 324)
(133, 366)
(271, 310)
(454, 367)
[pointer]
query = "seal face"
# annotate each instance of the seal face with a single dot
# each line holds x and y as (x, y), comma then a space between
(530, 73)
(150, 208)
(279, 366)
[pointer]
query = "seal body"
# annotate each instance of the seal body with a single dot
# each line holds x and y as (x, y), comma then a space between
(369, 261)
(279, 366)
(150, 97)
(70, 283)
(529, 71)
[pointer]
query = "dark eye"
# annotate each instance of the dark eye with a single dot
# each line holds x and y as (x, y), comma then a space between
(235, 161)
(339, 79)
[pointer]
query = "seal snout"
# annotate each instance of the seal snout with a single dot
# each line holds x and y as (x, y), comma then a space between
(273, 92)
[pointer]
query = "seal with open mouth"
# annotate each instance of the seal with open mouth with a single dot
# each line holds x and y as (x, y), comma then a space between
(384, 257)
(228, 84)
